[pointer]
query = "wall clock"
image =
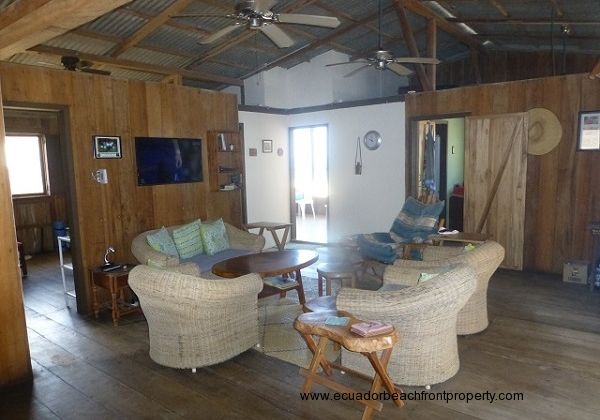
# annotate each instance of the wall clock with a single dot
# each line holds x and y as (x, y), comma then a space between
(372, 140)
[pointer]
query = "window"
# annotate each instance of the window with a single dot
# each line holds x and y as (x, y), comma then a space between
(26, 161)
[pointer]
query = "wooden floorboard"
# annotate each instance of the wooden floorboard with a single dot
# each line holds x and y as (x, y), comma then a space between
(543, 340)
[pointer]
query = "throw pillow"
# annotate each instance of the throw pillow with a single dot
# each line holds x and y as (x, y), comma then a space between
(427, 276)
(161, 241)
(187, 240)
(416, 221)
(214, 237)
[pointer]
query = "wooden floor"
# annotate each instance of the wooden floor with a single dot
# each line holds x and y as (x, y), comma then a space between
(544, 341)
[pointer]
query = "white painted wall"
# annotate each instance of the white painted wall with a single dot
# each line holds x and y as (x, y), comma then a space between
(267, 174)
(358, 203)
(312, 83)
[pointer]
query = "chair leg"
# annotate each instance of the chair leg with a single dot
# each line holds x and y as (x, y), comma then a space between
(312, 208)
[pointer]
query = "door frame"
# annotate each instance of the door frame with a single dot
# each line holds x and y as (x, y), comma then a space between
(292, 197)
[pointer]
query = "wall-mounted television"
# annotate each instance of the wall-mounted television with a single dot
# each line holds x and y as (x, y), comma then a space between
(167, 160)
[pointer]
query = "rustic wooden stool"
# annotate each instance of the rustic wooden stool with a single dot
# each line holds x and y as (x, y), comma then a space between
(313, 324)
(330, 271)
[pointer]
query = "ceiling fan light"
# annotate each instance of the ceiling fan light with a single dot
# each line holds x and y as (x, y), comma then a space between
(254, 23)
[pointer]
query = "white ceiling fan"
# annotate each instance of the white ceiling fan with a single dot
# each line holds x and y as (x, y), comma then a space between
(257, 15)
(385, 60)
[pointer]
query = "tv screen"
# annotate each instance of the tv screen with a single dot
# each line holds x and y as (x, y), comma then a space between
(168, 160)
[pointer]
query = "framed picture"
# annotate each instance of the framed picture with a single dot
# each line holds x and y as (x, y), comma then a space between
(589, 131)
(107, 147)
(267, 146)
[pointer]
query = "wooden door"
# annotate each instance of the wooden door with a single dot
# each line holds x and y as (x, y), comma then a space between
(15, 364)
(495, 179)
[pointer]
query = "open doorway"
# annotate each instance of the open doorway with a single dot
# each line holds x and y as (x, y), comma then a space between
(441, 157)
(309, 183)
(35, 153)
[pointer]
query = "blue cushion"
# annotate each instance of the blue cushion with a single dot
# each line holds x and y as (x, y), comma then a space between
(205, 262)
(416, 221)
(161, 241)
(378, 246)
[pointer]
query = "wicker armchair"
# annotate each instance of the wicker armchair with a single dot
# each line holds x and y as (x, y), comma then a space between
(194, 322)
(425, 316)
(238, 239)
(484, 260)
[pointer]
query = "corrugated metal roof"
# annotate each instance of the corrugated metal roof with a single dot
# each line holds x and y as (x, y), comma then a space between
(79, 43)
(117, 24)
(154, 57)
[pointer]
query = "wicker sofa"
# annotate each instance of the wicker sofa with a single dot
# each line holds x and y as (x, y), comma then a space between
(193, 321)
(424, 314)
(484, 260)
(241, 242)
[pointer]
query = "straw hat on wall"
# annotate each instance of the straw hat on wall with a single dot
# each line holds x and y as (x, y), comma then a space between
(545, 131)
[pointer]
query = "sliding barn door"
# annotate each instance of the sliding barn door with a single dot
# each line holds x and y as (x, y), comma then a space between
(495, 179)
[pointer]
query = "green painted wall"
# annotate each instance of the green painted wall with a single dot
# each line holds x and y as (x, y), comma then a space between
(455, 157)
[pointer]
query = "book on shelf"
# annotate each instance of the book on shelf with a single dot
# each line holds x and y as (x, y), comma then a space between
(280, 282)
(371, 328)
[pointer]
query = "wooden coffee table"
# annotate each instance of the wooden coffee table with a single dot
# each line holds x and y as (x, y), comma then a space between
(270, 264)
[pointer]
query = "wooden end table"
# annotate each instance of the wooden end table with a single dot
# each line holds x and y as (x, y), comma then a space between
(273, 228)
(115, 282)
(313, 324)
(270, 264)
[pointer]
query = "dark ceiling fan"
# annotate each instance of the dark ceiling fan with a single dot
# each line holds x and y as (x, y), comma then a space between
(74, 63)
(257, 15)
(385, 60)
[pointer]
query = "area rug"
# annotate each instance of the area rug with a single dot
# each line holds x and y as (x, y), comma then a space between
(277, 336)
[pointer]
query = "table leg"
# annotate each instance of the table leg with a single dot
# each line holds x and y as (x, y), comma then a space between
(381, 374)
(95, 305)
(300, 288)
(315, 363)
(327, 286)
(285, 236)
(276, 239)
(312, 346)
(114, 302)
(320, 282)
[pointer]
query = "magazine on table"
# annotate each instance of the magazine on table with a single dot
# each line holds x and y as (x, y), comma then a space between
(371, 328)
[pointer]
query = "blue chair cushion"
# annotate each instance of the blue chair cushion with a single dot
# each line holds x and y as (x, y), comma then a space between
(378, 246)
(416, 221)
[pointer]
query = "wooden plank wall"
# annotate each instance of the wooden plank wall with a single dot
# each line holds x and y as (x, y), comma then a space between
(114, 213)
(15, 364)
(563, 191)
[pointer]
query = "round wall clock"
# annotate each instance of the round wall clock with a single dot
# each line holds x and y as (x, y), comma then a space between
(372, 140)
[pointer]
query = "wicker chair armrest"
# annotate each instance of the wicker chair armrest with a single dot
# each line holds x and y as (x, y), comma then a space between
(240, 239)
(405, 276)
(146, 255)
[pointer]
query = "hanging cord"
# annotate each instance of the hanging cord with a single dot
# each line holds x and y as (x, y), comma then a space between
(358, 158)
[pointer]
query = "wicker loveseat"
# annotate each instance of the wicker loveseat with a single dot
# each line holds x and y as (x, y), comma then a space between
(484, 260)
(193, 321)
(425, 316)
(241, 243)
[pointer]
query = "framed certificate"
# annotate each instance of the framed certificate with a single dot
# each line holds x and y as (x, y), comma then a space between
(107, 147)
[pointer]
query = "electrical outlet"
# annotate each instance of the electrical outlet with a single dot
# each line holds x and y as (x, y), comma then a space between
(101, 176)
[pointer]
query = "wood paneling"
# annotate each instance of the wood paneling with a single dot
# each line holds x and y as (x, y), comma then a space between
(495, 179)
(563, 192)
(15, 365)
(112, 214)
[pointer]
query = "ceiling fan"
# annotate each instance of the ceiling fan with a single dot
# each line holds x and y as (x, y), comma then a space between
(385, 60)
(74, 63)
(257, 15)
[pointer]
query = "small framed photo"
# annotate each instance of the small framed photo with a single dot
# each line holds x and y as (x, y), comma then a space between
(107, 147)
(589, 131)
(267, 146)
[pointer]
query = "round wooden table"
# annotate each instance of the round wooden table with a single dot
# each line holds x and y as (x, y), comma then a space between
(269, 264)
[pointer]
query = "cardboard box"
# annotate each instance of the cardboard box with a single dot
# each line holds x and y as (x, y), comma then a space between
(576, 272)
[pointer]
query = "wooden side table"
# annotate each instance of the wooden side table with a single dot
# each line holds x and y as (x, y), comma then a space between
(313, 324)
(273, 228)
(115, 282)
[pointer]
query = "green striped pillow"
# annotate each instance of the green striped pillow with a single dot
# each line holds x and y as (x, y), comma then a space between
(187, 240)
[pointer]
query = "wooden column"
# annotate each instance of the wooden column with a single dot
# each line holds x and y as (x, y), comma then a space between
(432, 50)
(15, 363)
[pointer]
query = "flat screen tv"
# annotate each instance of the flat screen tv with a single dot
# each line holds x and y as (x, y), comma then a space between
(162, 160)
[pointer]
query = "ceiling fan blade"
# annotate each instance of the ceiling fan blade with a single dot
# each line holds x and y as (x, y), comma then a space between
(399, 69)
(312, 20)
(219, 34)
(184, 15)
(346, 62)
(352, 73)
(95, 71)
(419, 60)
(264, 5)
(279, 38)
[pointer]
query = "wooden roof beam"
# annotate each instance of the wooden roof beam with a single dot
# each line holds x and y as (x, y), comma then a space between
(557, 8)
(144, 67)
(595, 73)
(442, 23)
(499, 7)
(411, 43)
(26, 23)
(150, 26)
(514, 21)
